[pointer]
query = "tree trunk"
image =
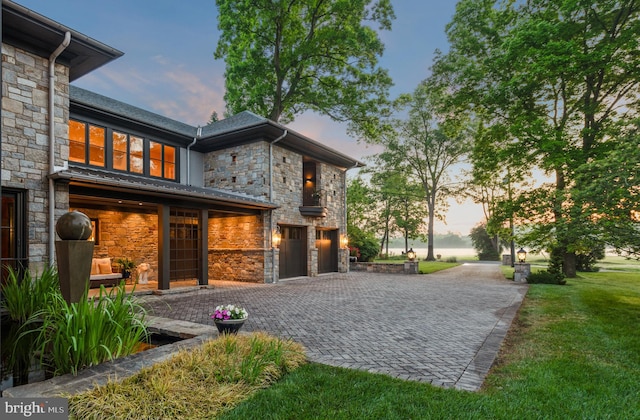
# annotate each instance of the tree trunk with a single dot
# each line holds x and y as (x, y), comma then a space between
(431, 204)
(569, 264)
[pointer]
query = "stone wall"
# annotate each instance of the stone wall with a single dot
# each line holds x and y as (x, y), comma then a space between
(25, 140)
(236, 248)
(122, 233)
(404, 268)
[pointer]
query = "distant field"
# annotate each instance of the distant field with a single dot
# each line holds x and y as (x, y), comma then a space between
(610, 263)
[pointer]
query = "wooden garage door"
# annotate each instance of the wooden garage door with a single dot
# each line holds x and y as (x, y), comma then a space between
(327, 244)
(293, 252)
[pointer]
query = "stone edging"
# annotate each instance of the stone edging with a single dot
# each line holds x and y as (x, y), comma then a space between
(64, 385)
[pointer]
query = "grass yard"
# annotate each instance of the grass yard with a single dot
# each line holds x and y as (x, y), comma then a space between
(574, 352)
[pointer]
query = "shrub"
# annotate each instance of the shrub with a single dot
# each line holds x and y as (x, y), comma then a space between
(365, 242)
(75, 336)
(23, 295)
(451, 259)
(546, 277)
(202, 382)
(487, 247)
(586, 261)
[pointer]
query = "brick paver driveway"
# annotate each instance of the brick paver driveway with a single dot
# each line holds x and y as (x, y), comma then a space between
(443, 328)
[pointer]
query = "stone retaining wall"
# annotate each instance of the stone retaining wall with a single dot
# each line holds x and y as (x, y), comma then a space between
(408, 267)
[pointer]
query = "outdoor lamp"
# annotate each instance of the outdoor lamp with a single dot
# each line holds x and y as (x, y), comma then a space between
(522, 255)
(411, 254)
(276, 237)
(344, 241)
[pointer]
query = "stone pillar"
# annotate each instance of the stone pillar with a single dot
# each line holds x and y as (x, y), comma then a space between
(411, 267)
(313, 262)
(522, 271)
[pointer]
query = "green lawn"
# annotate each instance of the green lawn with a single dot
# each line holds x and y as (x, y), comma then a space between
(574, 352)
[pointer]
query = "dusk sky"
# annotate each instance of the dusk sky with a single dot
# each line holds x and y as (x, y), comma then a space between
(168, 65)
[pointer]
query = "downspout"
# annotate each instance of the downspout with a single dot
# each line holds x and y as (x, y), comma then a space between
(52, 141)
(345, 205)
(195, 139)
(271, 226)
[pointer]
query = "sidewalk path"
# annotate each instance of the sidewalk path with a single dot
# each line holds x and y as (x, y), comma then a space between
(444, 328)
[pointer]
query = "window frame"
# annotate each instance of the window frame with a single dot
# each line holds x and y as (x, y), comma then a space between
(129, 136)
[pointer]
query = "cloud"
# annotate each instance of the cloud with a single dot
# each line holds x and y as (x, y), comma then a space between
(167, 88)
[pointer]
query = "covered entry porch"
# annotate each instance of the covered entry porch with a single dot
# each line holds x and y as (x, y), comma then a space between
(173, 232)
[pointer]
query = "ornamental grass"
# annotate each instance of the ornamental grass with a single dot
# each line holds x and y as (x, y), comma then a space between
(196, 383)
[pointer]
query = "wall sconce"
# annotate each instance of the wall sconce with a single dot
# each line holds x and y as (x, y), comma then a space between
(276, 237)
(344, 241)
(522, 255)
(411, 254)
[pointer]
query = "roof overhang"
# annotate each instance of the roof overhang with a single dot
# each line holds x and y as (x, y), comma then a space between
(40, 35)
(269, 131)
(111, 186)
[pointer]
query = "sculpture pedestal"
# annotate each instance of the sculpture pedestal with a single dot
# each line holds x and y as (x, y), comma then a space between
(74, 267)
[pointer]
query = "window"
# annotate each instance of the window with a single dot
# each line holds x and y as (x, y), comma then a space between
(13, 231)
(83, 151)
(162, 160)
(99, 146)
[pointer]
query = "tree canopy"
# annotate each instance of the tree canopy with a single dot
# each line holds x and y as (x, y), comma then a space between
(286, 57)
(555, 82)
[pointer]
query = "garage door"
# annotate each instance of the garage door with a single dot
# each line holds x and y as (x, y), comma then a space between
(293, 252)
(327, 244)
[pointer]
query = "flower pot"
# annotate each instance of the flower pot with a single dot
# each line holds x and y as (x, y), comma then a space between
(229, 326)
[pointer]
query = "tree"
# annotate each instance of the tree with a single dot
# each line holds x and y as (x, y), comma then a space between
(429, 143)
(400, 201)
(557, 78)
(488, 249)
(285, 57)
(360, 203)
(613, 194)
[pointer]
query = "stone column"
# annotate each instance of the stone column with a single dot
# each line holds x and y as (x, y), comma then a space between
(522, 271)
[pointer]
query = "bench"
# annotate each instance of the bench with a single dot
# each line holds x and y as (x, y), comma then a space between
(102, 273)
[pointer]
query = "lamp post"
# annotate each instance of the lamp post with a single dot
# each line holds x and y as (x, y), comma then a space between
(521, 269)
(522, 255)
(411, 265)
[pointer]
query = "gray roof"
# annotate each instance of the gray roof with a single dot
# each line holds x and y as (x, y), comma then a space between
(243, 120)
(40, 35)
(109, 106)
(143, 186)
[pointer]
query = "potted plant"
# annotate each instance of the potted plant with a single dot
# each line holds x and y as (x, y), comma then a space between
(229, 318)
(126, 266)
(316, 195)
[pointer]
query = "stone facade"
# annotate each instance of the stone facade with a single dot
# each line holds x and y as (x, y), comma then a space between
(236, 249)
(25, 141)
(122, 233)
(245, 169)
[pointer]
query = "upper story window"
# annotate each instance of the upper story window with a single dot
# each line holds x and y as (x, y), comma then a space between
(93, 145)
(128, 152)
(86, 143)
(162, 161)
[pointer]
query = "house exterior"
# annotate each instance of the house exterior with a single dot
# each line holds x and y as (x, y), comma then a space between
(243, 199)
